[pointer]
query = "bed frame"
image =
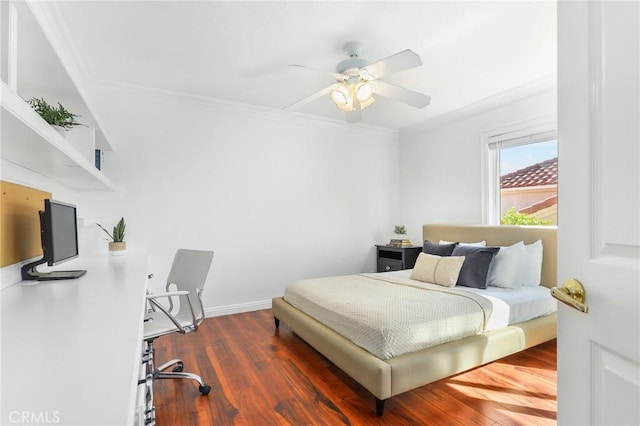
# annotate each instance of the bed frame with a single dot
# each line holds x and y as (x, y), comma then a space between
(387, 378)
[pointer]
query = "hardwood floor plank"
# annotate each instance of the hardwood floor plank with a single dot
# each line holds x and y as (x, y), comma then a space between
(263, 376)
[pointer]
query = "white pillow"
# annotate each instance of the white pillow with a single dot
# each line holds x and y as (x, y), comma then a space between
(441, 270)
(532, 264)
(478, 244)
(507, 267)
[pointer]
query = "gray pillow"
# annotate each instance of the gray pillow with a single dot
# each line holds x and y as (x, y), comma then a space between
(438, 249)
(475, 268)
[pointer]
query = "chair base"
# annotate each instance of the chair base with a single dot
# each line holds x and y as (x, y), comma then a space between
(177, 373)
(153, 373)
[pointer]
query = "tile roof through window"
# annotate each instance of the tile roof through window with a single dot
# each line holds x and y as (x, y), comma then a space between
(539, 174)
(547, 202)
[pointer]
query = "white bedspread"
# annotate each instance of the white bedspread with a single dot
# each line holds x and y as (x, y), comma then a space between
(390, 315)
(510, 305)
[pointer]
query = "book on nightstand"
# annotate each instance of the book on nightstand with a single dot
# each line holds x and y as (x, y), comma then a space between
(399, 243)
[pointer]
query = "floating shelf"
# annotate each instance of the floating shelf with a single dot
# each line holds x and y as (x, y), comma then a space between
(28, 141)
(31, 66)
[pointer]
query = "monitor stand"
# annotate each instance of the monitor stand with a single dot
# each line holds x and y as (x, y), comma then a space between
(30, 272)
(60, 275)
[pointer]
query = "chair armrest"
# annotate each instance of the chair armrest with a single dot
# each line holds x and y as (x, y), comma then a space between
(152, 300)
(169, 294)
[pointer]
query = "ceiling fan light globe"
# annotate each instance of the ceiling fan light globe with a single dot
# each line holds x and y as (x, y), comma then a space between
(340, 96)
(364, 92)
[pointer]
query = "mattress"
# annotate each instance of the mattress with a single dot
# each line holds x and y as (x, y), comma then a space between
(390, 316)
(509, 306)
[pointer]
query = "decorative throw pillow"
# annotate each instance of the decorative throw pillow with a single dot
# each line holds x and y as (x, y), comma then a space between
(476, 265)
(532, 264)
(441, 270)
(507, 268)
(438, 249)
(478, 244)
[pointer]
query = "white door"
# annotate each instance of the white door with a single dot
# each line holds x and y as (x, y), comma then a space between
(599, 211)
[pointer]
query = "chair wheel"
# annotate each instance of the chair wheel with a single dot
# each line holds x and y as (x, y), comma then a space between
(204, 389)
(178, 368)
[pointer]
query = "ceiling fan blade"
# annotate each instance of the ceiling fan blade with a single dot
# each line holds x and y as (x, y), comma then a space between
(335, 75)
(401, 94)
(302, 102)
(355, 115)
(399, 62)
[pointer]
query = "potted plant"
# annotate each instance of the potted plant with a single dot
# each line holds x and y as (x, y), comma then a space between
(400, 239)
(117, 245)
(400, 230)
(59, 118)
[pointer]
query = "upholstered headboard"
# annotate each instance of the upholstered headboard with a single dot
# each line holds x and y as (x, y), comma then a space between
(503, 236)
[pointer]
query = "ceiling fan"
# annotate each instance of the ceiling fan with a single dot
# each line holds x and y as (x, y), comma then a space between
(358, 82)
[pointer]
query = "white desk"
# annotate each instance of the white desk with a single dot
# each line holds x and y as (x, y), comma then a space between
(71, 349)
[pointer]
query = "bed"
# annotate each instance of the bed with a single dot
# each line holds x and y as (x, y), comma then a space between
(387, 376)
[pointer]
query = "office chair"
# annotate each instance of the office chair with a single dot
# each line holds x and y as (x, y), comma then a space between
(188, 274)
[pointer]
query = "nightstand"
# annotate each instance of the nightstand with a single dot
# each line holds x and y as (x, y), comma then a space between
(396, 258)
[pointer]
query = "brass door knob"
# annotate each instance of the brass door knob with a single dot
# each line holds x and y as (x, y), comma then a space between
(572, 294)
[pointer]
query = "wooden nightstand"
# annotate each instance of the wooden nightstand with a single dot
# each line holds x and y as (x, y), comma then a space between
(397, 258)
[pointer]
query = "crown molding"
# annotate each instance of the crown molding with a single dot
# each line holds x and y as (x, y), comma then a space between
(547, 83)
(238, 109)
(52, 23)
(50, 19)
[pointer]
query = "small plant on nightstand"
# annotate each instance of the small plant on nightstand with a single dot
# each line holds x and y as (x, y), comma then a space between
(400, 239)
(399, 230)
(117, 245)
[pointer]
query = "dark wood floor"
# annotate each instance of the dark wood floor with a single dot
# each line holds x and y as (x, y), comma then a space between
(265, 377)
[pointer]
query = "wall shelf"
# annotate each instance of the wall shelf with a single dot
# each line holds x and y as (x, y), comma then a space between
(31, 66)
(28, 141)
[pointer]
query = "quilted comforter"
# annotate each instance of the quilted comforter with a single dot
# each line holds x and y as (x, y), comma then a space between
(390, 316)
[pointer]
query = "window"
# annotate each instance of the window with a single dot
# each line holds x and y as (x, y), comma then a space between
(521, 177)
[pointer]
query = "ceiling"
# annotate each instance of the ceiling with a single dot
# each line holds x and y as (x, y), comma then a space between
(240, 51)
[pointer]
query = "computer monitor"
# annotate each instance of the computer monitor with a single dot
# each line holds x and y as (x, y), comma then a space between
(59, 236)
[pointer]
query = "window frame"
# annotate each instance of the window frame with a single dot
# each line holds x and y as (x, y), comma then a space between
(516, 134)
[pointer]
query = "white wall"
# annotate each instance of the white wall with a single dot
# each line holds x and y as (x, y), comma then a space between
(441, 165)
(277, 198)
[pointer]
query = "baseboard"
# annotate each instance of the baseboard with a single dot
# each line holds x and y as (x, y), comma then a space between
(11, 274)
(237, 309)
